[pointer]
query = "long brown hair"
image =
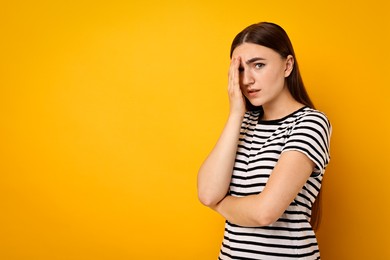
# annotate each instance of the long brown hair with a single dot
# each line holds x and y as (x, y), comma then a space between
(273, 36)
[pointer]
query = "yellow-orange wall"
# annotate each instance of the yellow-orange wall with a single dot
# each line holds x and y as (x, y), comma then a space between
(109, 107)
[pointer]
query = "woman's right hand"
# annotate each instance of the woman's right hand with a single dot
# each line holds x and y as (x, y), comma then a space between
(236, 98)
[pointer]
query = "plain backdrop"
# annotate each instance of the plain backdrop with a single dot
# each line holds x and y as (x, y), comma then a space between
(108, 108)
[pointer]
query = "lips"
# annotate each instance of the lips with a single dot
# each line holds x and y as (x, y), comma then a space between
(253, 92)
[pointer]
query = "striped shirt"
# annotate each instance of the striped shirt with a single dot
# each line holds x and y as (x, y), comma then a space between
(260, 146)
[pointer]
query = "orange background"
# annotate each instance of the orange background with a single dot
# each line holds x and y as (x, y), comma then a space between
(109, 108)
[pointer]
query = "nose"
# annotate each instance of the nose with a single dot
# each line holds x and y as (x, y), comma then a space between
(247, 78)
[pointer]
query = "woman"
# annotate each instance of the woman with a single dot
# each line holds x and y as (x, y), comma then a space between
(265, 171)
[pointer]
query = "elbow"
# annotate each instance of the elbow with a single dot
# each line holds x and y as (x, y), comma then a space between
(266, 219)
(207, 200)
(209, 197)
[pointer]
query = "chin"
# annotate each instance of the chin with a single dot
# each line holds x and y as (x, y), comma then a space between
(255, 103)
(253, 106)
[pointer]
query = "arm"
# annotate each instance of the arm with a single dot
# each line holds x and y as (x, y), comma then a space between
(287, 179)
(215, 173)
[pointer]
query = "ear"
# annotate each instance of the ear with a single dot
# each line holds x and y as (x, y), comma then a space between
(289, 65)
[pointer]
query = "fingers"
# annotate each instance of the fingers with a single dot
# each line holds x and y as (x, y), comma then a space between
(237, 101)
(234, 84)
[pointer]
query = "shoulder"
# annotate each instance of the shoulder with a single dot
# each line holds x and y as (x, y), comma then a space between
(310, 133)
(311, 124)
(313, 117)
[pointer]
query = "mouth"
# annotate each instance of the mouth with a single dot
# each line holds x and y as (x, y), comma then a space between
(253, 92)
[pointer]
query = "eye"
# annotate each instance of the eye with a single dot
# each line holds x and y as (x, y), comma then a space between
(259, 65)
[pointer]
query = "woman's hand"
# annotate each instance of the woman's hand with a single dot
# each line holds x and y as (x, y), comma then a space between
(236, 98)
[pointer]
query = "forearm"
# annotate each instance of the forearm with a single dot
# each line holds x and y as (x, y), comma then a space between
(247, 211)
(215, 173)
(286, 180)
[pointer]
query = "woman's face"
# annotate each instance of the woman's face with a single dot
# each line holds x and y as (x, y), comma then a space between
(262, 73)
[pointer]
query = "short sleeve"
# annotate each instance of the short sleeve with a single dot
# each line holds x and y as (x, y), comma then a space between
(311, 135)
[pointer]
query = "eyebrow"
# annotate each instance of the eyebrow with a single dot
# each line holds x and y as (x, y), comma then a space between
(254, 59)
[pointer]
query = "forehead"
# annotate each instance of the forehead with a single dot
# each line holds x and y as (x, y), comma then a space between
(250, 50)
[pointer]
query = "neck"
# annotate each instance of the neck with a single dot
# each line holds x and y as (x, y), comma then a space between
(283, 106)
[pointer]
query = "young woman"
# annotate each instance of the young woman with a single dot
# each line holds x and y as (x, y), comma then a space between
(265, 171)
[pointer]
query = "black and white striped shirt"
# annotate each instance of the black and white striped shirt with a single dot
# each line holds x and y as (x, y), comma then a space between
(260, 146)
